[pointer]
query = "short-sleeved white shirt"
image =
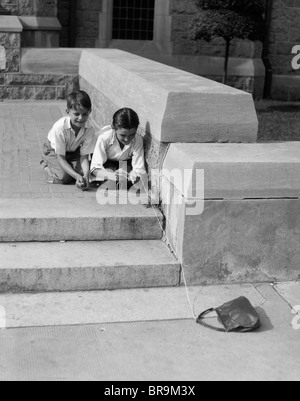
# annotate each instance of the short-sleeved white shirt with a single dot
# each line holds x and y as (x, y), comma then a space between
(108, 148)
(63, 139)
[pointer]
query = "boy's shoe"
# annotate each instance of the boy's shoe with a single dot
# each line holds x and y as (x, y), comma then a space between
(95, 184)
(48, 178)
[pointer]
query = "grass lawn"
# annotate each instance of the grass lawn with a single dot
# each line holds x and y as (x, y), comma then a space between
(278, 121)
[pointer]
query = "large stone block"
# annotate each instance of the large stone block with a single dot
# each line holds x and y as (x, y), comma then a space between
(235, 241)
(20, 92)
(40, 87)
(240, 171)
(243, 241)
(50, 61)
(243, 73)
(45, 93)
(241, 221)
(175, 105)
(35, 80)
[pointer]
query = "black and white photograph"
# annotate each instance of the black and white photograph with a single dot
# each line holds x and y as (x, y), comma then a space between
(149, 193)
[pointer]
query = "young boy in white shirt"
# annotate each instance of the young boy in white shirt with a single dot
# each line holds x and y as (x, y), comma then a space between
(70, 142)
(119, 152)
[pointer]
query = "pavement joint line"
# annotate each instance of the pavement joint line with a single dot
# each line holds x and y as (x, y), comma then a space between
(285, 300)
(129, 322)
(255, 286)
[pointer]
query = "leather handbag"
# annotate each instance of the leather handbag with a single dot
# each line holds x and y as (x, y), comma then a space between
(236, 315)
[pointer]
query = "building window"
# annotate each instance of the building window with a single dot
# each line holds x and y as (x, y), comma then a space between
(133, 19)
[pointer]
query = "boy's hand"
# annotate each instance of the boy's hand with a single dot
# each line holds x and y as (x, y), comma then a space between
(134, 178)
(87, 182)
(121, 174)
(82, 183)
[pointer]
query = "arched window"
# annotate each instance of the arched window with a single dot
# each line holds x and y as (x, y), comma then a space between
(133, 19)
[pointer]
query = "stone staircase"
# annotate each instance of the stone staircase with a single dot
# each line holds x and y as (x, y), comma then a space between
(73, 245)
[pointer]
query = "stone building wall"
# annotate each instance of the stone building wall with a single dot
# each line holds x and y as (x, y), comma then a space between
(285, 34)
(181, 11)
(15, 83)
(40, 8)
(87, 22)
(11, 43)
(9, 6)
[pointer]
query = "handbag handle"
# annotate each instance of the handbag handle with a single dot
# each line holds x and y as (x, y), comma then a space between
(201, 322)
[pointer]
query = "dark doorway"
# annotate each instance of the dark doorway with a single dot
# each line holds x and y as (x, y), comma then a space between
(66, 14)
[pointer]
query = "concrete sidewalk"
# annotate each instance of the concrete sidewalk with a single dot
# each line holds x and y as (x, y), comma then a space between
(24, 126)
(148, 335)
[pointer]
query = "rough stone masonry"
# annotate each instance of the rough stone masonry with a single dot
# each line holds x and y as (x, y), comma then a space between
(2, 58)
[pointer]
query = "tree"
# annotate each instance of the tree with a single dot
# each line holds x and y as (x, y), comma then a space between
(229, 19)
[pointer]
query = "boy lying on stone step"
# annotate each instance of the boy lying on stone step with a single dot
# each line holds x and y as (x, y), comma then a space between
(119, 152)
(69, 144)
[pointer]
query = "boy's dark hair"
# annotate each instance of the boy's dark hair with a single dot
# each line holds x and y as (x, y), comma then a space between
(79, 99)
(126, 119)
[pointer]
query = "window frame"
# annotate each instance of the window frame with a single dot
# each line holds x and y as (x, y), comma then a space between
(161, 43)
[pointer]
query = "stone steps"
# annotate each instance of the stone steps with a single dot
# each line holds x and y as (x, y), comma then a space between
(86, 266)
(79, 245)
(45, 220)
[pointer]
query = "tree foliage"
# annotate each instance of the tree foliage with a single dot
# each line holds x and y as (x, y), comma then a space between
(229, 19)
(252, 6)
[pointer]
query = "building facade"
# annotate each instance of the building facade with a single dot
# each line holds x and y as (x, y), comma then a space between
(159, 30)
